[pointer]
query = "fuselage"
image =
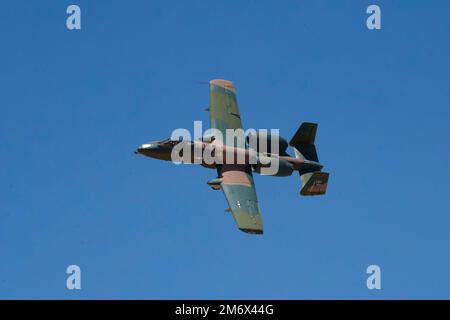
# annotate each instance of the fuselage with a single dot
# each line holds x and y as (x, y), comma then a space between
(215, 153)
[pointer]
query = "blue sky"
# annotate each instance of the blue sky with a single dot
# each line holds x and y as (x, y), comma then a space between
(75, 104)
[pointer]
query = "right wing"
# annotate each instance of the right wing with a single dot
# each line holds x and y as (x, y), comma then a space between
(239, 189)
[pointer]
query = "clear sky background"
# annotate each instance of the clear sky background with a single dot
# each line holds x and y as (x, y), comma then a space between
(74, 105)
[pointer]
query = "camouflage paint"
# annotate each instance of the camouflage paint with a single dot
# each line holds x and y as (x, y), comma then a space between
(236, 180)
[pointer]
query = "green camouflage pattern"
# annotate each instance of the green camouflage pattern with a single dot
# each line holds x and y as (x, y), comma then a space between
(224, 109)
(244, 206)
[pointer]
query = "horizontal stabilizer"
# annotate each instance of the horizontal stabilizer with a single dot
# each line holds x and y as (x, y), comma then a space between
(314, 183)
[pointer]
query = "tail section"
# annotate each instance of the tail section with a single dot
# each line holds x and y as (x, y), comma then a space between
(303, 142)
(314, 182)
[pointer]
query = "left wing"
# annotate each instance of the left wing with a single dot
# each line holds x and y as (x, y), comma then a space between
(239, 189)
(224, 109)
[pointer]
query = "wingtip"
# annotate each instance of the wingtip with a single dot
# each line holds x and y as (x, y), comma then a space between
(226, 84)
(252, 231)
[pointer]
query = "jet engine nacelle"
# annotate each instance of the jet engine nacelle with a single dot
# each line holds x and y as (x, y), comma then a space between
(268, 166)
(262, 142)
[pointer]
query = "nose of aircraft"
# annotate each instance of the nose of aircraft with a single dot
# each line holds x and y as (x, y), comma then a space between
(147, 147)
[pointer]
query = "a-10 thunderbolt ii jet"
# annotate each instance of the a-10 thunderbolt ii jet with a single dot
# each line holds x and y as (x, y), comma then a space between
(234, 177)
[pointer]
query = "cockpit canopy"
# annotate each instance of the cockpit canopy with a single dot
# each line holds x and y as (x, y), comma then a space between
(169, 143)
